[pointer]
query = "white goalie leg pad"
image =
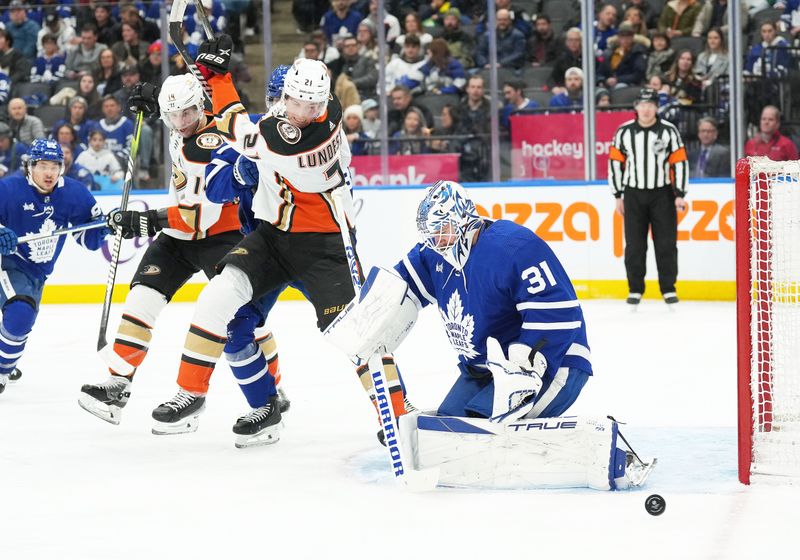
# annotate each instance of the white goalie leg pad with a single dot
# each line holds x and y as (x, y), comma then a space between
(571, 452)
(378, 319)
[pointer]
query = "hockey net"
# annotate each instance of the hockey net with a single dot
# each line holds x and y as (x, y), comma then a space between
(768, 315)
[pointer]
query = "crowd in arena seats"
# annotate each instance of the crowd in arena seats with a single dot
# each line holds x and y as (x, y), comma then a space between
(438, 61)
(67, 68)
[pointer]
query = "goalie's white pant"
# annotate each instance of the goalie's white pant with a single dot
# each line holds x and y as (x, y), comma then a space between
(569, 452)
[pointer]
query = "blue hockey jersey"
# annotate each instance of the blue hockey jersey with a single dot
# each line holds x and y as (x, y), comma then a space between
(27, 211)
(513, 288)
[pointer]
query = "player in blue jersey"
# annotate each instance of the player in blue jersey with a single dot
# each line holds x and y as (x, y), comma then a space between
(508, 306)
(40, 201)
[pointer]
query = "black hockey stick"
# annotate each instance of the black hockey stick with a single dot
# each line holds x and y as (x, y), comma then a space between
(112, 269)
(176, 14)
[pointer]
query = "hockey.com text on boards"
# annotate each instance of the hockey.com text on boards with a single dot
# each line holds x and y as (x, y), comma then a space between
(707, 220)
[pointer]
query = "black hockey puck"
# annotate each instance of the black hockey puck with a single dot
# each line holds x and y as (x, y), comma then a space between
(655, 504)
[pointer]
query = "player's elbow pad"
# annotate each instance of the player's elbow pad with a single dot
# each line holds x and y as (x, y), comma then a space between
(377, 320)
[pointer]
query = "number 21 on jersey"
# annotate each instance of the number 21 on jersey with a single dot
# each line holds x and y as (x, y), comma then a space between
(538, 281)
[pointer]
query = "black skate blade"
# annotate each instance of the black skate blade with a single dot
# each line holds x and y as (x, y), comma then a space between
(267, 436)
(110, 414)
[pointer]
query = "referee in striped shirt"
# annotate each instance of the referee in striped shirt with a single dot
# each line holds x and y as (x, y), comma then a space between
(648, 171)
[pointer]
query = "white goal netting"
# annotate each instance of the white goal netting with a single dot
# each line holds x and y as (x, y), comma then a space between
(774, 202)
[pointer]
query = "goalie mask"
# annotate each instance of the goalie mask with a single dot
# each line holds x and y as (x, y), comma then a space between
(447, 220)
(182, 103)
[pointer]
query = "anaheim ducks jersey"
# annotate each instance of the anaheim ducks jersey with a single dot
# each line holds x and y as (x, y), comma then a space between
(191, 215)
(298, 168)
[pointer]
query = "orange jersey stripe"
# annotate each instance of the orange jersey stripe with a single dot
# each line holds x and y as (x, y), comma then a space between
(678, 156)
(616, 155)
(228, 220)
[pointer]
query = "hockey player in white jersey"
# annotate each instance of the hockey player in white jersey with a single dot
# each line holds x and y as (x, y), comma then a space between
(192, 234)
(511, 314)
(301, 156)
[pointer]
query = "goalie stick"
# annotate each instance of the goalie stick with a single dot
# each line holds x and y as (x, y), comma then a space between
(63, 231)
(402, 467)
(102, 343)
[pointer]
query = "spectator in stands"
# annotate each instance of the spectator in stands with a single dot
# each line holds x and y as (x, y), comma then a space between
(461, 44)
(356, 137)
(77, 119)
(61, 30)
(66, 136)
(343, 86)
(514, 94)
(131, 49)
(83, 59)
(98, 159)
(5, 87)
(770, 58)
(432, 14)
(570, 96)
(624, 65)
(709, 159)
(713, 61)
(130, 77)
(22, 29)
(401, 102)
(77, 171)
(117, 129)
(340, 21)
(49, 67)
(441, 73)
(26, 128)
(661, 57)
(401, 67)
(367, 41)
(635, 16)
(327, 53)
(414, 126)
(605, 27)
(17, 67)
(687, 88)
(307, 13)
(371, 122)
(475, 111)
(87, 89)
(715, 14)
(649, 15)
(520, 19)
(148, 31)
(791, 16)
(769, 141)
(664, 90)
(413, 26)
(602, 97)
(570, 56)
(543, 45)
(360, 69)
(150, 69)
(11, 151)
(106, 74)
(510, 45)
(390, 23)
(107, 29)
(450, 127)
(678, 17)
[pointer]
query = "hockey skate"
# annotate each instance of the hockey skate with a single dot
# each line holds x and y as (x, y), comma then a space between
(15, 375)
(107, 399)
(260, 426)
(636, 471)
(180, 415)
(283, 402)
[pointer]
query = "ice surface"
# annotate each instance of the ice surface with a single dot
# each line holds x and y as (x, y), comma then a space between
(74, 487)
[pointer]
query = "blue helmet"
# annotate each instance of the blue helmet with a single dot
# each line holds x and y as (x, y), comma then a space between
(275, 84)
(43, 149)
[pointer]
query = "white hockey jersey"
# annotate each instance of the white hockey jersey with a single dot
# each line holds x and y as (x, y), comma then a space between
(298, 168)
(191, 214)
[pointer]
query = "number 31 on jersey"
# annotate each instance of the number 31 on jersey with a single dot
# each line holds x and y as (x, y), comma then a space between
(538, 281)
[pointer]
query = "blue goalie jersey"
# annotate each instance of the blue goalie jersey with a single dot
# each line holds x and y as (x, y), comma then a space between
(27, 211)
(513, 288)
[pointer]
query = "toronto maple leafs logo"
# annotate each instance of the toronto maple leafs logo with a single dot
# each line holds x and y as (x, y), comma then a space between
(459, 327)
(43, 250)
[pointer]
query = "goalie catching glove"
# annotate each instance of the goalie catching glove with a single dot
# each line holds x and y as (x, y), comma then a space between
(517, 380)
(377, 320)
(214, 56)
(137, 224)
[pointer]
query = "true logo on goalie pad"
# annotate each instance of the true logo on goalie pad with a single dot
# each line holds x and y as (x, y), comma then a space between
(526, 426)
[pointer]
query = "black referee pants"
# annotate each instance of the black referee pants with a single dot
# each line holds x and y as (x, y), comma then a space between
(645, 209)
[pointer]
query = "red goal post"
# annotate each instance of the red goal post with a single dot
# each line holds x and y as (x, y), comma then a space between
(768, 319)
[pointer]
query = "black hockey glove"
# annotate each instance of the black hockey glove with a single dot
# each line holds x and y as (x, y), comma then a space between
(137, 224)
(144, 98)
(214, 56)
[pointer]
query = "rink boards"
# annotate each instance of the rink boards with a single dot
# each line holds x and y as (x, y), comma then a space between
(577, 219)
